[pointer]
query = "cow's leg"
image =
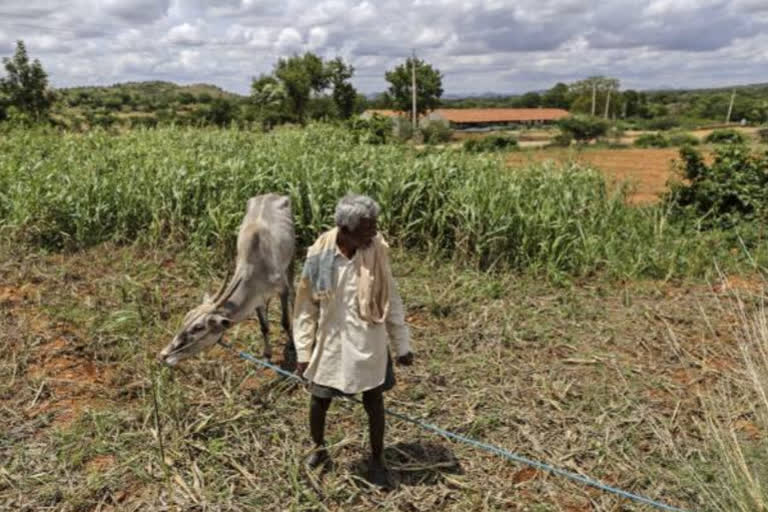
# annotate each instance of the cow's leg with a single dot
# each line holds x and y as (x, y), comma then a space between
(261, 311)
(289, 351)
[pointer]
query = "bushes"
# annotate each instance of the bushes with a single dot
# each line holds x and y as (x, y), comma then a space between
(436, 132)
(562, 140)
(762, 134)
(490, 143)
(733, 189)
(728, 136)
(663, 123)
(375, 130)
(142, 121)
(582, 128)
(683, 139)
(657, 140)
(652, 140)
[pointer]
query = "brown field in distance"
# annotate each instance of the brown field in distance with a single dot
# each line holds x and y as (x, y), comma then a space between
(647, 170)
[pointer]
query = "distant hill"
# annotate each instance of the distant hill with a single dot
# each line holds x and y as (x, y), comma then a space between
(705, 90)
(145, 104)
(154, 89)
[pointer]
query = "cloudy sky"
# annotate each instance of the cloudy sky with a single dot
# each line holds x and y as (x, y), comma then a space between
(479, 45)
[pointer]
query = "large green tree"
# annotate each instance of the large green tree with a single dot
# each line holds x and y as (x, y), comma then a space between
(344, 94)
(301, 75)
(557, 97)
(429, 86)
(599, 92)
(26, 85)
(298, 89)
(583, 129)
(529, 100)
(268, 93)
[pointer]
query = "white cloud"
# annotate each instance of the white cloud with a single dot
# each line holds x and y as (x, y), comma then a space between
(289, 40)
(318, 36)
(136, 11)
(480, 45)
(186, 34)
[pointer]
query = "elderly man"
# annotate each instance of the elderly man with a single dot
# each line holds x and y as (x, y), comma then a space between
(347, 306)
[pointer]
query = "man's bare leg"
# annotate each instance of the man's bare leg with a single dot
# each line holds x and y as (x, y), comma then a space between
(373, 401)
(318, 407)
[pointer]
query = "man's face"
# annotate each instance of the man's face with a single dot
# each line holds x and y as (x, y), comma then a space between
(362, 236)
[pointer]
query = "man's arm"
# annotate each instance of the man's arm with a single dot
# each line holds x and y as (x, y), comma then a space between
(305, 317)
(399, 334)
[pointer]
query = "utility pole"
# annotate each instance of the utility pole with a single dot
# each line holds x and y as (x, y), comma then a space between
(413, 90)
(607, 103)
(594, 97)
(730, 107)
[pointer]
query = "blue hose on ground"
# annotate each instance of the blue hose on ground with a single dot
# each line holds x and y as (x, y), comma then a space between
(479, 444)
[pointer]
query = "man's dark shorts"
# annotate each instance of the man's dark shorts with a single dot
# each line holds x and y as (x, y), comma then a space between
(321, 391)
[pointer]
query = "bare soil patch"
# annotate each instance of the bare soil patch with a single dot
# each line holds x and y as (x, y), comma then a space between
(646, 170)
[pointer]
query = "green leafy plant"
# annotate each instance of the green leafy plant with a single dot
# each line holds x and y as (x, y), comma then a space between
(490, 143)
(727, 136)
(652, 140)
(732, 190)
(762, 134)
(375, 130)
(583, 128)
(436, 133)
(683, 139)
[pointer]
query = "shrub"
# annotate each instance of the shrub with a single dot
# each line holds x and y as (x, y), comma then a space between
(402, 128)
(663, 123)
(186, 98)
(490, 143)
(728, 136)
(436, 133)
(113, 102)
(733, 189)
(562, 140)
(762, 134)
(652, 140)
(143, 121)
(375, 130)
(683, 139)
(582, 128)
(100, 119)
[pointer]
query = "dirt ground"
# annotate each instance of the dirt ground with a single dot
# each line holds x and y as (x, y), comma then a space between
(647, 170)
(593, 377)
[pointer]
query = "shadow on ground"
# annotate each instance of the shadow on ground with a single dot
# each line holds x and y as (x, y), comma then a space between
(412, 464)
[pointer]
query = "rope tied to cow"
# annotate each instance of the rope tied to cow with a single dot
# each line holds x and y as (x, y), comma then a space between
(502, 452)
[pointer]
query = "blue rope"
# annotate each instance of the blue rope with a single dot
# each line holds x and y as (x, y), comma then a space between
(483, 446)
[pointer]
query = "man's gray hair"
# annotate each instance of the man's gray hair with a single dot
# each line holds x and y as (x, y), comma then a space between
(352, 208)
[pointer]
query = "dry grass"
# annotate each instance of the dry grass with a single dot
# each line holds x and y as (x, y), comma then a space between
(601, 379)
(646, 170)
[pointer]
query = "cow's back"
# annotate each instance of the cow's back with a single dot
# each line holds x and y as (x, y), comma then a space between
(273, 215)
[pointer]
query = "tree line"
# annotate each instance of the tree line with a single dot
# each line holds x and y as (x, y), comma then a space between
(601, 96)
(299, 88)
(306, 87)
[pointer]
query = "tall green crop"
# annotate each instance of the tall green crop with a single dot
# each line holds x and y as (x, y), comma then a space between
(72, 191)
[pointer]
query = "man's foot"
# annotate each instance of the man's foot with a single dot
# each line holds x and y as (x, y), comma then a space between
(378, 474)
(318, 458)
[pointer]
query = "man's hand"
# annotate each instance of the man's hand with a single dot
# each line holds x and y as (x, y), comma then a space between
(301, 368)
(405, 359)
